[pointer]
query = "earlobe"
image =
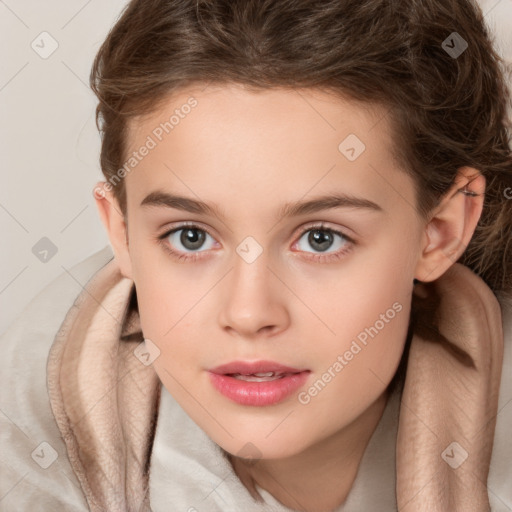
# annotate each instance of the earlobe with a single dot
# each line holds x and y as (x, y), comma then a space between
(451, 225)
(114, 223)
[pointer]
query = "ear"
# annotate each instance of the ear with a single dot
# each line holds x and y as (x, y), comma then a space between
(114, 222)
(451, 225)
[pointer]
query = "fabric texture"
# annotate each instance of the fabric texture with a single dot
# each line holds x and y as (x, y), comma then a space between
(124, 444)
(104, 399)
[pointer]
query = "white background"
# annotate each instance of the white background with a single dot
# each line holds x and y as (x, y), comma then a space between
(49, 145)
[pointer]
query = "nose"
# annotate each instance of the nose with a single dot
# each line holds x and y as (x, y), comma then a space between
(254, 299)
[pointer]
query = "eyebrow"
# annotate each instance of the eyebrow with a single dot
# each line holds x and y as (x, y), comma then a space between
(159, 198)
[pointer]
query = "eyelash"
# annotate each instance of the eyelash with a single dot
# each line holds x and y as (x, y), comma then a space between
(190, 257)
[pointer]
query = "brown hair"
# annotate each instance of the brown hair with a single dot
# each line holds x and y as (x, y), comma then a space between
(447, 111)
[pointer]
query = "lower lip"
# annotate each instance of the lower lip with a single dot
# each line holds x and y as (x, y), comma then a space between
(258, 393)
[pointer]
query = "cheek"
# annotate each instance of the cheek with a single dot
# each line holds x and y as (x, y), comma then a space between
(168, 315)
(355, 366)
(166, 290)
(169, 311)
(377, 280)
(171, 304)
(367, 311)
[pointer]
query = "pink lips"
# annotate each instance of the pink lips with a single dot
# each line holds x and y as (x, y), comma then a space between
(285, 381)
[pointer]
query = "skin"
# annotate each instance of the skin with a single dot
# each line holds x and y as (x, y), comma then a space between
(249, 153)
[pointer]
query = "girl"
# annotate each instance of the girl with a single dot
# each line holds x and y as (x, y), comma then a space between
(309, 209)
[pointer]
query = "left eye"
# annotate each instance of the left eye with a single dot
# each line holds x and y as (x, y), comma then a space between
(322, 239)
(191, 237)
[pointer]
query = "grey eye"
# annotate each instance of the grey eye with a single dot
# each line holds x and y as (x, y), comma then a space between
(190, 238)
(322, 239)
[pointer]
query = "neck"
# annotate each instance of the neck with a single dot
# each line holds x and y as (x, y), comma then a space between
(318, 479)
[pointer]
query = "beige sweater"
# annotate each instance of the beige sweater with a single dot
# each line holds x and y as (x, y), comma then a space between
(92, 446)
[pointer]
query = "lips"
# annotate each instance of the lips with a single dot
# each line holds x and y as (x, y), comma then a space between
(259, 383)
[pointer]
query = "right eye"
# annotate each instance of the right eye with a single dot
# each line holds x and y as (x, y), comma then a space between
(189, 236)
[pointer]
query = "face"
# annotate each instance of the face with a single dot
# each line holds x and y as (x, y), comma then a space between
(323, 288)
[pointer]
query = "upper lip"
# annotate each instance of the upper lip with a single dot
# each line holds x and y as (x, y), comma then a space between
(249, 368)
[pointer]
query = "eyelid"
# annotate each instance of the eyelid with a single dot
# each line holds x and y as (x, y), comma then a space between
(183, 225)
(298, 233)
(322, 225)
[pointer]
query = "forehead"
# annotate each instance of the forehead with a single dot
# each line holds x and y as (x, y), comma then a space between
(273, 110)
(218, 139)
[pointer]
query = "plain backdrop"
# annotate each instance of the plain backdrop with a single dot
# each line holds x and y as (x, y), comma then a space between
(49, 145)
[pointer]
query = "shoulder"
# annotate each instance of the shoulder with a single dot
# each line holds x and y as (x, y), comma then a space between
(36, 474)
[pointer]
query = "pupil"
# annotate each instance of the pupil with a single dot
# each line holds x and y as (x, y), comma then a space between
(192, 238)
(322, 238)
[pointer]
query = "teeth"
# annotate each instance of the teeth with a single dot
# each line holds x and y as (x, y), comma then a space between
(258, 377)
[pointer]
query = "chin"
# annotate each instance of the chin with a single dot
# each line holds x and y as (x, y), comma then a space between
(254, 447)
